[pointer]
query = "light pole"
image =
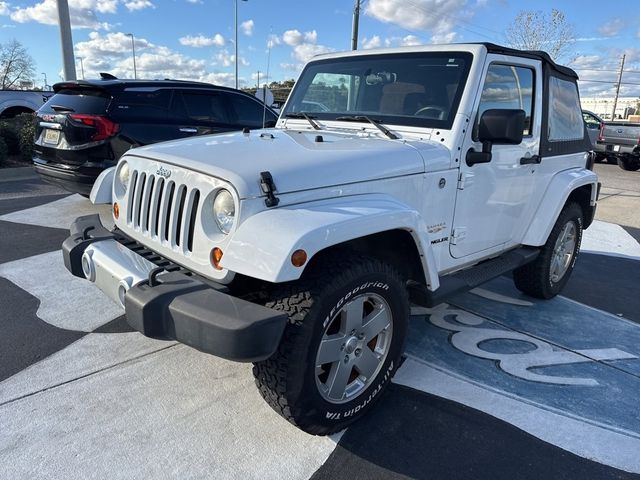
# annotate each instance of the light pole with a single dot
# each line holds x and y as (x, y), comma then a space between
(45, 81)
(81, 66)
(66, 41)
(236, 42)
(133, 51)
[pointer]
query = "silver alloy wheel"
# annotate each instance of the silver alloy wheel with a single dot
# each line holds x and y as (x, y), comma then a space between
(563, 252)
(354, 346)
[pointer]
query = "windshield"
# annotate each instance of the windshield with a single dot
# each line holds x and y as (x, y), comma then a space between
(417, 89)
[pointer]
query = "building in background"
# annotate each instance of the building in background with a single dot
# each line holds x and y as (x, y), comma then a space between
(603, 106)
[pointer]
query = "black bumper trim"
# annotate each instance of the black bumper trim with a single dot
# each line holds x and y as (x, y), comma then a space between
(179, 306)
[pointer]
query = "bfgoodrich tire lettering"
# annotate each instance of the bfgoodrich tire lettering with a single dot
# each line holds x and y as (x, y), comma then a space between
(547, 275)
(293, 383)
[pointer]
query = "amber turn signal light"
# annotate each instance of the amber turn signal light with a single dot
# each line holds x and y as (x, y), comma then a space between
(298, 258)
(216, 256)
(116, 210)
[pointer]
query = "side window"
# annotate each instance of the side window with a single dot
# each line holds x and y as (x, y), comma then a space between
(591, 121)
(248, 112)
(565, 114)
(208, 107)
(142, 105)
(510, 87)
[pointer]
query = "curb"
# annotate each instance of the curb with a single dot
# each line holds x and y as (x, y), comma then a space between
(18, 173)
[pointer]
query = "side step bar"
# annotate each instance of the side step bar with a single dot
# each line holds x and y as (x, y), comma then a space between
(470, 278)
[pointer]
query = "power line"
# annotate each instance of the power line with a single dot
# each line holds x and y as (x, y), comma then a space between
(612, 82)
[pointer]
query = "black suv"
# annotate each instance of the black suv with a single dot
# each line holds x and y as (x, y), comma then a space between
(87, 125)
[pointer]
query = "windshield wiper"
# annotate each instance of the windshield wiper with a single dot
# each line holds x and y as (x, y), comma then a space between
(376, 123)
(308, 118)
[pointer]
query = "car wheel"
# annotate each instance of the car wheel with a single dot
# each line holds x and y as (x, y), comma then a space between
(547, 275)
(346, 331)
(629, 164)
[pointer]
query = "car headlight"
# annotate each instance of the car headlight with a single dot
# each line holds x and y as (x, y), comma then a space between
(224, 210)
(123, 175)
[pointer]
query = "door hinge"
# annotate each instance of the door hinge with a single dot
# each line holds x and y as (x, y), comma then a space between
(464, 180)
(458, 234)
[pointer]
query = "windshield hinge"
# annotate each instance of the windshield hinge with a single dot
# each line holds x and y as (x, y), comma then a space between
(268, 187)
(465, 179)
(457, 234)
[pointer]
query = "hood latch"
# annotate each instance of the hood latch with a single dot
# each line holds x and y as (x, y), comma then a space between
(268, 187)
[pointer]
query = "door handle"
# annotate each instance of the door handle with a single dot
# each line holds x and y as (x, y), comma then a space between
(530, 160)
(189, 130)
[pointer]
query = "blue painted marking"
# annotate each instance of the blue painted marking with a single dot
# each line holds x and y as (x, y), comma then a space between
(611, 400)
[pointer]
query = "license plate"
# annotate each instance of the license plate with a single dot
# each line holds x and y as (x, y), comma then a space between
(51, 136)
(616, 148)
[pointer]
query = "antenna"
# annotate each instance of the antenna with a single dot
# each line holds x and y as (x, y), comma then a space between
(264, 96)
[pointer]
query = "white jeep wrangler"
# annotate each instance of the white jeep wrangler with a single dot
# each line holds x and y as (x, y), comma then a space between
(392, 176)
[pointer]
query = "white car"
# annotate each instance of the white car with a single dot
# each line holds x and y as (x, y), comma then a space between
(299, 248)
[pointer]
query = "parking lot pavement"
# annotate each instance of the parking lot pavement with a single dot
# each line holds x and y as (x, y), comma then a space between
(495, 384)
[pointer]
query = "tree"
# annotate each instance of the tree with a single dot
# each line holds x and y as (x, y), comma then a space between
(16, 65)
(538, 30)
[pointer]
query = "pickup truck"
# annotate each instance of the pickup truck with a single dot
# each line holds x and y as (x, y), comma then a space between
(15, 102)
(621, 142)
(431, 170)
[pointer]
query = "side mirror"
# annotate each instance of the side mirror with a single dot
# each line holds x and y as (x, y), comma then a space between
(500, 126)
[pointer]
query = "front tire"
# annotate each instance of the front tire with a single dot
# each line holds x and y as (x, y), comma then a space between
(547, 275)
(346, 331)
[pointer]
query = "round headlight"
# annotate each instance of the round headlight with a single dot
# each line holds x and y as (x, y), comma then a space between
(224, 210)
(123, 175)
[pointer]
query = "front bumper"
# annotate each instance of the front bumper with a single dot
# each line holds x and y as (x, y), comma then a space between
(166, 301)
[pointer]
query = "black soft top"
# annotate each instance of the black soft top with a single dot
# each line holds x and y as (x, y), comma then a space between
(535, 54)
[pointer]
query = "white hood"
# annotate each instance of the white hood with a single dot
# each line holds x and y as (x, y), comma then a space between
(295, 159)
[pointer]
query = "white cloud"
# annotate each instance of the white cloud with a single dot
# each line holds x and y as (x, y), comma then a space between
(200, 41)
(612, 27)
(247, 27)
(292, 37)
(4, 8)
(410, 40)
(227, 59)
(436, 16)
(82, 13)
(138, 5)
(373, 42)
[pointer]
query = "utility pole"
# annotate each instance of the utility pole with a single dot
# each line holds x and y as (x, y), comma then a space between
(258, 84)
(69, 66)
(81, 66)
(615, 100)
(355, 25)
(133, 51)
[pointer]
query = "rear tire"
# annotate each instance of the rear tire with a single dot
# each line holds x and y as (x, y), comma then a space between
(629, 164)
(334, 362)
(547, 275)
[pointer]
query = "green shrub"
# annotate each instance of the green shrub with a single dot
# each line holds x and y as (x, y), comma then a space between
(4, 151)
(26, 124)
(9, 135)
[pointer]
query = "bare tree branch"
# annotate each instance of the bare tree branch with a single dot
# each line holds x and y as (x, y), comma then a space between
(16, 65)
(550, 32)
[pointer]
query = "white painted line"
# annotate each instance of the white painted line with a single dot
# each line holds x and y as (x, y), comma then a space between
(90, 354)
(61, 213)
(610, 239)
(65, 301)
(582, 438)
(177, 413)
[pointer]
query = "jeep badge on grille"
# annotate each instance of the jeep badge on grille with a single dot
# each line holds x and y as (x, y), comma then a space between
(163, 172)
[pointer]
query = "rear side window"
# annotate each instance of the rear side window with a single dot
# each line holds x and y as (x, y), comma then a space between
(79, 101)
(248, 112)
(142, 105)
(565, 114)
(510, 87)
(208, 107)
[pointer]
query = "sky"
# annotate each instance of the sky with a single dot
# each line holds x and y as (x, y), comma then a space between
(194, 39)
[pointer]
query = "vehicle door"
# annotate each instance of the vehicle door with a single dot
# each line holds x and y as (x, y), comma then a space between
(593, 126)
(200, 112)
(142, 114)
(492, 201)
(247, 111)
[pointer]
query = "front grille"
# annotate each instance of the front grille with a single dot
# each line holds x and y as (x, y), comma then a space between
(162, 209)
